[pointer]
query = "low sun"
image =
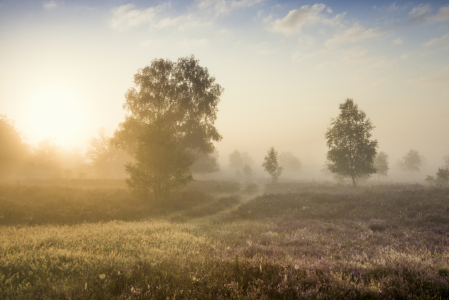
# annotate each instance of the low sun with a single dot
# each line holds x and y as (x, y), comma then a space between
(56, 115)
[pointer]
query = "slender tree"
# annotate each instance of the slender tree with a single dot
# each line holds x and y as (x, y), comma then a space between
(271, 165)
(351, 149)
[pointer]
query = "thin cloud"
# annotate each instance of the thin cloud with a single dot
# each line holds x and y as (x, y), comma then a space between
(307, 15)
(444, 40)
(190, 44)
(422, 14)
(353, 34)
(50, 5)
(442, 15)
(398, 41)
(126, 16)
(220, 7)
(437, 78)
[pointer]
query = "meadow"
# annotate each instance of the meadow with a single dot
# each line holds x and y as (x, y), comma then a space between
(224, 240)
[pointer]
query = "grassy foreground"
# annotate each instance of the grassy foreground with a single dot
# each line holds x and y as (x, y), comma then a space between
(383, 243)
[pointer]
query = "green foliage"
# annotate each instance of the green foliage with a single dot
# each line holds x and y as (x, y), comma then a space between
(351, 151)
(381, 163)
(411, 162)
(183, 93)
(161, 163)
(13, 150)
(107, 161)
(441, 178)
(271, 165)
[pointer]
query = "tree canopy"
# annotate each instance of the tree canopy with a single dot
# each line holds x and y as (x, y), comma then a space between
(183, 93)
(351, 150)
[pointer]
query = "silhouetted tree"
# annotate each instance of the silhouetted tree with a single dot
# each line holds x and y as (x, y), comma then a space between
(271, 165)
(106, 160)
(446, 161)
(289, 162)
(411, 162)
(13, 149)
(351, 151)
(161, 164)
(381, 163)
(183, 93)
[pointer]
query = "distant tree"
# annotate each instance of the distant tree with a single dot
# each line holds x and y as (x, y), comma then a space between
(381, 163)
(446, 161)
(205, 163)
(351, 151)
(161, 164)
(441, 179)
(106, 160)
(411, 162)
(46, 160)
(271, 165)
(238, 160)
(289, 162)
(339, 178)
(183, 93)
(13, 150)
(248, 171)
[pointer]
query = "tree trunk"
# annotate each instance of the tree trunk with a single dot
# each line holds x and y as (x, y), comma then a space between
(353, 182)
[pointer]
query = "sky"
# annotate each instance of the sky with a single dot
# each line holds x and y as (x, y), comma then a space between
(285, 67)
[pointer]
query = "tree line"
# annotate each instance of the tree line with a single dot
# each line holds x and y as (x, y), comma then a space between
(169, 130)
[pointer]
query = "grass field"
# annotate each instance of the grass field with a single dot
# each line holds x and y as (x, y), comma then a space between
(219, 241)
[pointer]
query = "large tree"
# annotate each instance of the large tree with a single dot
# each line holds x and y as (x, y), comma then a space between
(351, 149)
(183, 94)
(161, 162)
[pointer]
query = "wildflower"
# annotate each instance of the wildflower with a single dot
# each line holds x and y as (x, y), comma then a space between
(102, 276)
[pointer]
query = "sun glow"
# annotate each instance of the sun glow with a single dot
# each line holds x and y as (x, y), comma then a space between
(56, 115)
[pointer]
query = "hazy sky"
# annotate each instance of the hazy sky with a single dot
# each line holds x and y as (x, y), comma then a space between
(285, 67)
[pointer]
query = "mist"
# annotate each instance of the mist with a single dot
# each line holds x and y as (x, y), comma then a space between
(224, 149)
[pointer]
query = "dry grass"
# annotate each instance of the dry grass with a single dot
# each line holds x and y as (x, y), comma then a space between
(375, 244)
